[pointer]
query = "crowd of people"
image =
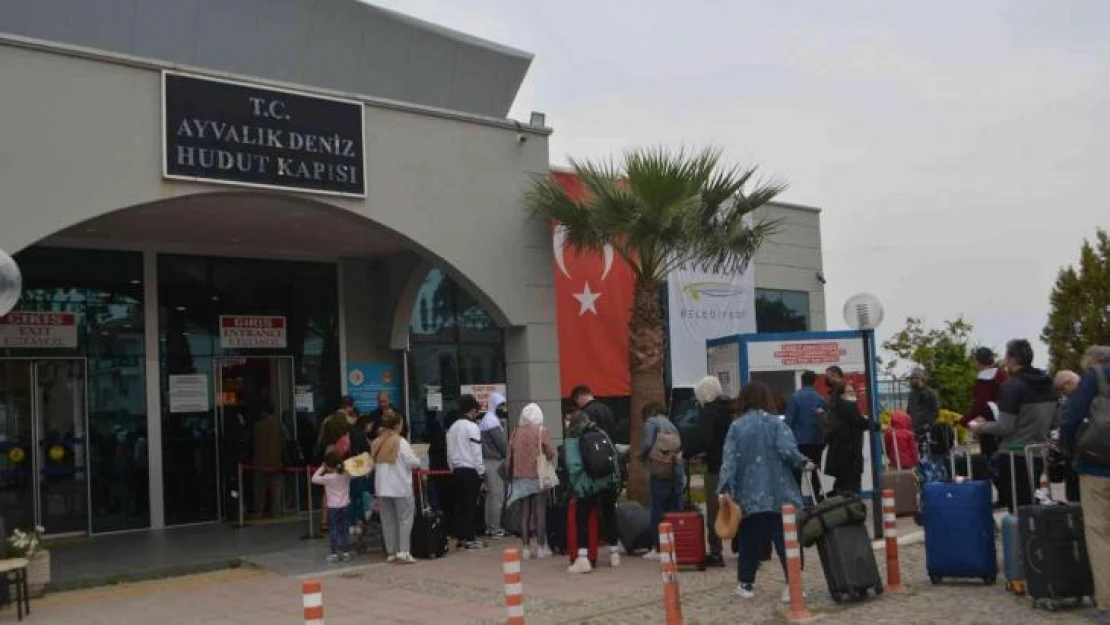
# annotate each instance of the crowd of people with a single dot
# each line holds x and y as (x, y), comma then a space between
(756, 451)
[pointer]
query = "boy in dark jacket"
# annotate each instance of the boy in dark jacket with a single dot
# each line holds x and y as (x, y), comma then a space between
(988, 384)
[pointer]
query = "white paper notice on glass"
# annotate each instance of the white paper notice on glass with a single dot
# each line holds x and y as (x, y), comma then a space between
(435, 401)
(302, 399)
(189, 393)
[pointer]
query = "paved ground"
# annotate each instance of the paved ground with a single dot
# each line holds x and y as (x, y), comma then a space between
(466, 588)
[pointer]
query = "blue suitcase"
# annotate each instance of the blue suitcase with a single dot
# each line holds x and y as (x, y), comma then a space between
(959, 531)
(1012, 562)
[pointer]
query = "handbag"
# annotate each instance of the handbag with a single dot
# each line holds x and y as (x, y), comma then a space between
(729, 516)
(545, 471)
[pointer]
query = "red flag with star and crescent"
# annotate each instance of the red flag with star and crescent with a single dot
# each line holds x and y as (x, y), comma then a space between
(593, 295)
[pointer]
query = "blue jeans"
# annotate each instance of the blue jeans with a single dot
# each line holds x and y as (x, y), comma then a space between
(755, 531)
(361, 499)
(339, 528)
(666, 496)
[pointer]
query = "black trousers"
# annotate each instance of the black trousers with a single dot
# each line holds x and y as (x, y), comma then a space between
(606, 504)
(814, 453)
(1003, 483)
(849, 484)
(467, 486)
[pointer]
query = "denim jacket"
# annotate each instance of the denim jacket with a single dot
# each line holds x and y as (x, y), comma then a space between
(759, 461)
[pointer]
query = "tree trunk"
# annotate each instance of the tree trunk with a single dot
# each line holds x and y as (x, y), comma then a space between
(646, 355)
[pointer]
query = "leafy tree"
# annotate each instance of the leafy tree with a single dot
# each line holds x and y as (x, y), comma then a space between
(944, 353)
(1079, 316)
(659, 209)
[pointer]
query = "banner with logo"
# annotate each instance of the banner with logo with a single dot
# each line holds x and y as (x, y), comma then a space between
(593, 304)
(366, 379)
(705, 305)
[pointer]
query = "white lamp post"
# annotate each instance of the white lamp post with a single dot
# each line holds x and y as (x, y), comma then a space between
(11, 283)
(863, 312)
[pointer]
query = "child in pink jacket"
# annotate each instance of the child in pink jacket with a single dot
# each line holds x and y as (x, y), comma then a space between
(337, 488)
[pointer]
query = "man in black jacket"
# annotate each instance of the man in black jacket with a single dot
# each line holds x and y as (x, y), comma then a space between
(713, 423)
(598, 412)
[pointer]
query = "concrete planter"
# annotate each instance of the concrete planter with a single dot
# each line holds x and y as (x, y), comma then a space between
(38, 572)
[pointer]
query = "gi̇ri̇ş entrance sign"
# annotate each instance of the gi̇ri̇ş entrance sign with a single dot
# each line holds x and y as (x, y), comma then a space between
(237, 133)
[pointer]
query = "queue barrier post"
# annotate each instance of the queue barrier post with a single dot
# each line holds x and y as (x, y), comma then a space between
(797, 611)
(514, 590)
(313, 600)
(890, 532)
(672, 603)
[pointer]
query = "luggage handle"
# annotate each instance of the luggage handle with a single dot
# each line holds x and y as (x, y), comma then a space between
(1031, 467)
(805, 474)
(967, 457)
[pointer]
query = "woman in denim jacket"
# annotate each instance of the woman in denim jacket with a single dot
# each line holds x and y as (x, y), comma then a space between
(757, 471)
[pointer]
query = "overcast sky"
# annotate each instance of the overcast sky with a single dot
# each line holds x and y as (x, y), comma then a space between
(960, 150)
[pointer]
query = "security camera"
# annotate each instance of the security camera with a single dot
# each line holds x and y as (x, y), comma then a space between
(821, 278)
(521, 138)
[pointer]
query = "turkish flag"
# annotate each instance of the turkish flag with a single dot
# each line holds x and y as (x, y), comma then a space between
(593, 304)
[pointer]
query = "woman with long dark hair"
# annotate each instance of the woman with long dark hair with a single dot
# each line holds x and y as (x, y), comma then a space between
(757, 471)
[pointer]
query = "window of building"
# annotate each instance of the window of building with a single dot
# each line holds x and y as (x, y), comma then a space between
(781, 311)
(454, 342)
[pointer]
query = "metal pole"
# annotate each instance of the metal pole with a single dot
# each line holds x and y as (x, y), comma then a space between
(308, 490)
(240, 485)
(876, 439)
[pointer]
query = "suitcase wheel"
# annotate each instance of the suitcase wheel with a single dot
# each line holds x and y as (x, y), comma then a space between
(879, 590)
(837, 597)
(934, 579)
(992, 580)
(701, 567)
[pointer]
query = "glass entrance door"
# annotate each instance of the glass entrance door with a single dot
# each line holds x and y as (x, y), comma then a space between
(250, 390)
(43, 442)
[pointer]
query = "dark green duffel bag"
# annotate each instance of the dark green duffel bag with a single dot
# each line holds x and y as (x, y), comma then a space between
(835, 511)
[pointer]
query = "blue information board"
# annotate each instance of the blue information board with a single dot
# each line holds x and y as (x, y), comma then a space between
(366, 380)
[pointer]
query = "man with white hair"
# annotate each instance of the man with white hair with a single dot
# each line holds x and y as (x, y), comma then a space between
(1060, 466)
(713, 423)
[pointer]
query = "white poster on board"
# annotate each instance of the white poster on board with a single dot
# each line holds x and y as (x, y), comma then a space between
(481, 392)
(704, 305)
(188, 393)
(724, 362)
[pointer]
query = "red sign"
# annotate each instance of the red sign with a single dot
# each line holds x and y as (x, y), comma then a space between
(252, 332)
(40, 330)
(809, 353)
(593, 304)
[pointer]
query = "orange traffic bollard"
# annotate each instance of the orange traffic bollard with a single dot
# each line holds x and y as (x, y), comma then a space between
(313, 603)
(890, 531)
(797, 611)
(514, 591)
(672, 605)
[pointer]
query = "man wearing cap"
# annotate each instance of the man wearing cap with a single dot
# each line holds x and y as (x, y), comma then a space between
(988, 382)
(923, 405)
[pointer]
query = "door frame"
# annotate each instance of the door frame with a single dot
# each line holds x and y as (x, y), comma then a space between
(217, 392)
(36, 439)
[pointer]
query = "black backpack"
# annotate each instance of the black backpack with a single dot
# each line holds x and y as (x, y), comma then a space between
(599, 457)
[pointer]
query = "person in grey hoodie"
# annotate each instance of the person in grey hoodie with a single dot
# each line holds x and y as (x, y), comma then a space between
(495, 448)
(1026, 407)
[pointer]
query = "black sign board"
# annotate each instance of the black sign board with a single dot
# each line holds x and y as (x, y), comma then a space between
(235, 133)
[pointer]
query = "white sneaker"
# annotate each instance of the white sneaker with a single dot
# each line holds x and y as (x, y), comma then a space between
(543, 553)
(614, 559)
(581, 565)
(525, 554)
(405, 558)
(745, 591)
(392, 558)
(651, 555)
(785, 597)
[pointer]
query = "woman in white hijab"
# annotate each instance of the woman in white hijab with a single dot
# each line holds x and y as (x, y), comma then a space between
(530, 439)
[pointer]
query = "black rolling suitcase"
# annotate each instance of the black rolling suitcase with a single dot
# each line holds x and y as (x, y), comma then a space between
(1054, 551)
(429, 528)
(849, 562)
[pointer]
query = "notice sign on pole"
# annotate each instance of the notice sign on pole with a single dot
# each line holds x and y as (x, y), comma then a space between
(42, 330)
(238, 133)
(252, 332)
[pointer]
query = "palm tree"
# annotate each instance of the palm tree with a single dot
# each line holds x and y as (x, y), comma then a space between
(659, 209)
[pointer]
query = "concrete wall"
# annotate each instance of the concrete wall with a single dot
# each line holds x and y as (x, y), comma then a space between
(82, 138)
(791, 260)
